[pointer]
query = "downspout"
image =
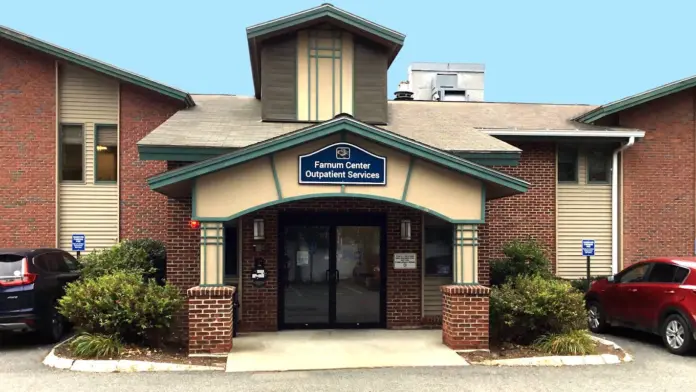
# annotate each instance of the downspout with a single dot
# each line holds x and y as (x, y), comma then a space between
(615, 204)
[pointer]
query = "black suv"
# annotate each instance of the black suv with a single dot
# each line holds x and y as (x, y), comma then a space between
(31, 282)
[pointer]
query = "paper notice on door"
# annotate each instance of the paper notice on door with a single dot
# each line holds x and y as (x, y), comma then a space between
(302, 257)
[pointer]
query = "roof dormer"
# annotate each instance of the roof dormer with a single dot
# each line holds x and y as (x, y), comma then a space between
(315, 64)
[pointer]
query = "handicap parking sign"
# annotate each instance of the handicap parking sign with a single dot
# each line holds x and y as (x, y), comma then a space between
(588, 247)
(78, 242)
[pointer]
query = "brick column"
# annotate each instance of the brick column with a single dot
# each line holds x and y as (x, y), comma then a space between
(210, 319)
(465, 317)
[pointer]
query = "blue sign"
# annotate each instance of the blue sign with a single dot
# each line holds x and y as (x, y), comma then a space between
(343, 164)
(588, 247)
(78, 242)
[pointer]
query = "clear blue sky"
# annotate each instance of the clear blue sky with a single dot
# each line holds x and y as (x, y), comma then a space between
(590, 51)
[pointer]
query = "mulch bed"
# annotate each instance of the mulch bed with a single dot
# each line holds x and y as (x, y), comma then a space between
(170, 354)
(511, 351)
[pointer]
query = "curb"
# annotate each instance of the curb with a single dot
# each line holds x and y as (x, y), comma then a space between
(114, 366)
(571, 360)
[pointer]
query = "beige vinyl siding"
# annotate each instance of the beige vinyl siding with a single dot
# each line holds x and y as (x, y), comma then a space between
(432, 296)
(87, 208)
(584, 212)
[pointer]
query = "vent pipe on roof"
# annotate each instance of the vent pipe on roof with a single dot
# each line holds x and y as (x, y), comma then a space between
(404, 93)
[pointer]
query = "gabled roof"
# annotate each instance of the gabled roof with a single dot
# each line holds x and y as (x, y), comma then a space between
(505, 184)
(635, 100)
(390, 39)
(95, 65)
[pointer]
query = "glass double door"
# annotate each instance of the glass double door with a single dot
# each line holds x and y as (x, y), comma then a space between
(331, 272)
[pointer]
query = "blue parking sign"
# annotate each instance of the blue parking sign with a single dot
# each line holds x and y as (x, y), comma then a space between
(588, 247)
(78, 242)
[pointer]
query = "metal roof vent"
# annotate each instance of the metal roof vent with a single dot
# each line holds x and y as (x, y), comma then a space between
(404, 93)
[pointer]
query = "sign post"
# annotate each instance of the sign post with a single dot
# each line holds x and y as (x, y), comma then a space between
(588, 249)
(78, 243)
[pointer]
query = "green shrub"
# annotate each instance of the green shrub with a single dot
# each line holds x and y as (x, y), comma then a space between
(121, 304)
(577, 342)
(87, 345)
(527, 307)
(582, 283)
(119, 257)
(156, 255)
(526, 257)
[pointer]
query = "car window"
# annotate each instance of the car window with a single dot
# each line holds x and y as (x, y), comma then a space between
(680, 274)
(662, 273)
(70, 261)
(634, 274)
(45, 262)
(10, 265)
(59, 262)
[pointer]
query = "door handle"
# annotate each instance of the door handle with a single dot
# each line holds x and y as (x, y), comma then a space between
(327, 275)
(633, 290)
(669, 291)
(337, 276)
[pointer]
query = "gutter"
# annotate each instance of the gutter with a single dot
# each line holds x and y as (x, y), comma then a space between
(564, 133)
(615, 204)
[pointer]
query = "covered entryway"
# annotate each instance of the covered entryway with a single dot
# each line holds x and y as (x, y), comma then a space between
(330, 270)
(340, 349)
(330, 225)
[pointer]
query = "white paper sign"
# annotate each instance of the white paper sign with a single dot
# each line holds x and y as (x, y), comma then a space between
(302, 257)
(404, 261)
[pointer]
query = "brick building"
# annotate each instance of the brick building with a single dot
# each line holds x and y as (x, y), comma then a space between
(318, 202)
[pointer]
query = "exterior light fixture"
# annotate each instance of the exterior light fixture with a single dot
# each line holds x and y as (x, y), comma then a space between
(405, 229)
(258, 229)
(194, 224)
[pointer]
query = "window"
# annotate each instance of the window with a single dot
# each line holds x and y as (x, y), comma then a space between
(567, 164)
(598, 166)
(71, 262)
(438, 250)
(634, 275)
(231, 264)
(71, 153)
(106, 154)
(667, 273)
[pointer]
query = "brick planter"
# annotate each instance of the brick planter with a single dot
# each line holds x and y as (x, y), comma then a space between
(210, 319)
(465, 317)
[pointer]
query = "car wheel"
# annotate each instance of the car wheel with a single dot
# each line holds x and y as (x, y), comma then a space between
(596, 321)
(53, 326)
(676, 334)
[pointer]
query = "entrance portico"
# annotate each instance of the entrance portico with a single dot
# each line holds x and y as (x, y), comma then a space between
(330, 220)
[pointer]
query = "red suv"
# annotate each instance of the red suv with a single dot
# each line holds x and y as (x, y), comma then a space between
(656, 295)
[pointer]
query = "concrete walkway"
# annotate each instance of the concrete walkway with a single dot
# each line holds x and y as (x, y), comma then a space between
(339, 349)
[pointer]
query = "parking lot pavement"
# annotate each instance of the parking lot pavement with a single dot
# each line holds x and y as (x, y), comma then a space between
(654, 369)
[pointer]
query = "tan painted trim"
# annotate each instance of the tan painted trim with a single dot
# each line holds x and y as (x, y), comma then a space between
(555, 181)
(118, 162)
(57, 157)
(422, 286)
(240, 262)
(621, 208)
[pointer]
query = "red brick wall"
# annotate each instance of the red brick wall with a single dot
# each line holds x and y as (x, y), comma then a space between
(465, 317)
(143, 212)
(27, 147)
(210, 320)
(260, 305)
(658, 183)
(532, 214)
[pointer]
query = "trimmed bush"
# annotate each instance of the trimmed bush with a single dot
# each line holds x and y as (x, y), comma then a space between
(156, 256)
(526, 257)
(582, 284)
(576, 342)
(527, 307)
(87, 345)
(118, 258)
(121, 304)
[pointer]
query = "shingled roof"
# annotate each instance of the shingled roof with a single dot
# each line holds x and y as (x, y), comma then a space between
(228, 121)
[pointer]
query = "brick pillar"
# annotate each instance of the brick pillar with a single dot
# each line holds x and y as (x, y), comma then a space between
(210, 319)
(403, 285)
(465, 317)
